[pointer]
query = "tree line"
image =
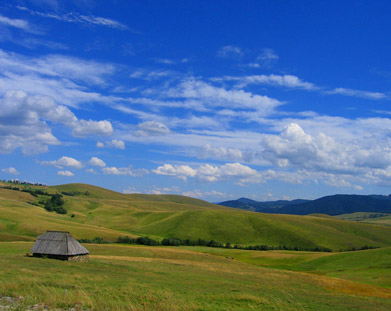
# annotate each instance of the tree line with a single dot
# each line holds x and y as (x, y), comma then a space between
(201, 242)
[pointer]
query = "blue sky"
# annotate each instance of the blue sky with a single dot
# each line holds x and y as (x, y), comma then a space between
(211, 99)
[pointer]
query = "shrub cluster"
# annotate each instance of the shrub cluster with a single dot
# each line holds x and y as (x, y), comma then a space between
(352, 249)
(55, 203)
(11, 188)
(35, 192)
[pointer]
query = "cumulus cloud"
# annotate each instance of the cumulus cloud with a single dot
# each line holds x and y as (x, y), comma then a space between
(23, 122)
(94, 161)
(64, 162)
(10, 170)
(21, 125)
(118, 144)
(90, 127)
(294, 147)
(65, 173)
(179, 171)
(210, 173)
(152, 128)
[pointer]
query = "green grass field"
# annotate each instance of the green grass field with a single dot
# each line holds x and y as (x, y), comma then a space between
(157, 278)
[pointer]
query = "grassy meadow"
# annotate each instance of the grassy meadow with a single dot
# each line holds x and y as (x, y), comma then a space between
(119, 277)
(124, 277)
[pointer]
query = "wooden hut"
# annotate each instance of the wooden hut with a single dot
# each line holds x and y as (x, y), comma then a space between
(59, 245)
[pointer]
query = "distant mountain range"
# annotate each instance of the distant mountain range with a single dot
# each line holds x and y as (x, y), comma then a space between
(330, 205)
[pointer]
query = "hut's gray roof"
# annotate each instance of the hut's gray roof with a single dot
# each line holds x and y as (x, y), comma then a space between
(58, 243)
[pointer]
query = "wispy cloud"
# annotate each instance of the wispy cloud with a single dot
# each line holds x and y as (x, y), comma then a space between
(230, 51)
(357, 93)
(268, 55)
(289, 81)
(165, 61)
(265, 59)
(32, 43)
(17, 23)
(74, 17)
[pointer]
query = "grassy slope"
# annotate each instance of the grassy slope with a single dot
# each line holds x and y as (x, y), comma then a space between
(366, 217)
(367, 266)
(154, 278)
(109, 214)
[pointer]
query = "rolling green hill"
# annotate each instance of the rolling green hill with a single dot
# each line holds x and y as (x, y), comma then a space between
(94, 211)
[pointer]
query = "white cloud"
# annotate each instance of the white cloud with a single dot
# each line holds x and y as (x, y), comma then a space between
(90, 127)
(358, 93)
(62, 78)
(179, 171)
(294, 147)
(164, 190)
(10, 170)
(210, 173)
(152, 128)
(23, 123)
(94, 161)
(91, 171)
(21, 126)
(202, 96)
(230, 51)
(57, 66)
(118, 144)
(65, 173)
(130, 190)
(220, 153)
(64, 162)
(129, 171)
